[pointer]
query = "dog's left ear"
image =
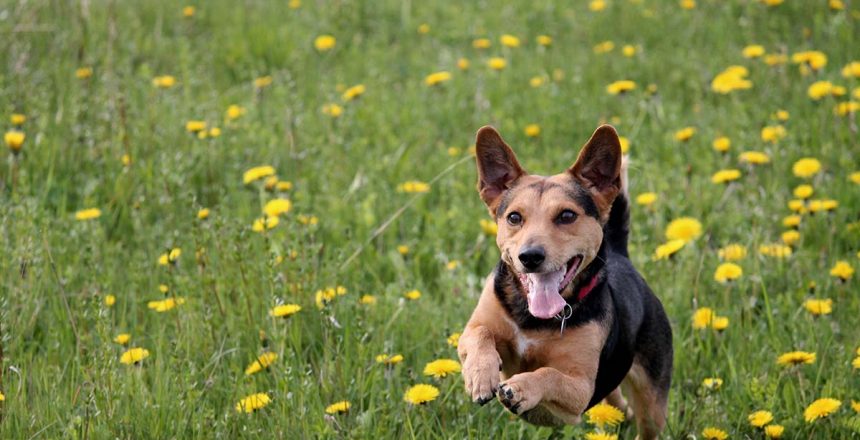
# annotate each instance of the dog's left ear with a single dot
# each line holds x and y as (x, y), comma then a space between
(598, 167)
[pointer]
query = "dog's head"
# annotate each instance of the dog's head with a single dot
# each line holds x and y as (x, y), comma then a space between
(550, 228)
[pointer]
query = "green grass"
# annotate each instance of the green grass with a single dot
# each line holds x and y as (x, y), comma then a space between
(61, 374)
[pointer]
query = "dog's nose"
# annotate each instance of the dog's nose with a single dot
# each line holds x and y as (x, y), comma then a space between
(532, 257)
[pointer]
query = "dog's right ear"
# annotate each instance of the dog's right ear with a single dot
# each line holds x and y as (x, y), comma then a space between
(497, 166)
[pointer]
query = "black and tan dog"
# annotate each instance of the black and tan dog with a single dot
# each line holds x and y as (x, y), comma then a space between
(565, 318)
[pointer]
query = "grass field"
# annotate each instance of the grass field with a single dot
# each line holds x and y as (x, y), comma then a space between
(375, 162)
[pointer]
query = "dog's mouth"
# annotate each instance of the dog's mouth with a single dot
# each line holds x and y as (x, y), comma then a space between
(544, 289)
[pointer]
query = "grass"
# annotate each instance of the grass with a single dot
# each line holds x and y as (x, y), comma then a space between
(61, 372)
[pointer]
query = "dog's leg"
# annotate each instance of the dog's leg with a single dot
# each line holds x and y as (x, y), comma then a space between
(481, 363)
(617, 400)
(648, 402)
(565, 396)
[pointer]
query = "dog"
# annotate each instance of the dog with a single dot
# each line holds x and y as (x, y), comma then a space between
(565, 321)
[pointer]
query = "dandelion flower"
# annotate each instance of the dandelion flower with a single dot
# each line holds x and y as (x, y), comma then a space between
(389, 360)
(684, 228)
(712, 433)
(754, 157)
(753, 51)
(367, 300)
(482, 43)
(687, 4)
(463, 64)
(760, 418)
(546, 40)
(353, 92)
(796, 358)
(164, 81)
(803, 191)
(813, 59)
(454, 339)
(424, 28)
(821, 408)
(122, 338)
(722, 144)
(624, 143)
(732, 252)
(604, 47)
(842, 270)
(195, 126)
(234, 112)
(285, 310)
(791, 221)
(110, 300)
(628, 50)
(14, 140)
(437, 78)
(620, 87)
(604, 414)
(509, 41)
(532, 130)
(702, 317)
(685, 134)
(170, 257)
(324, 42)
(134, 355)
(276, 207)
(666, 250)
(773, 133)
(261, 363)
(338, 407)
(421, 394)
(597, 5)
(188, 11)
(165, 304)
(413, 294)
(600, 436)
(88, 214)
(203, 214)
(17, 119)
(84, 72)
(725, 176)
(257, 173)
(413, 186)
(727, 272)
(323, 297)
(497, 63)
(264, 223)
(819, 306)
(489, 227)
(402, 249)
(720, 323)
(253, 402)
(774, 431)
(646, 199)
(731, 79)
(806, 167)
(790, 237)
(856, 364)
(441, 368)
(819, 89)
(775, 250)
(712, 383)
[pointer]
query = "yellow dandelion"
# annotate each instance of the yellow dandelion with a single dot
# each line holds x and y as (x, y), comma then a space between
(806, 167)
(732, 252)
(165, 304)
(338, 407)
(603, 47)
(760, 418)
(257, 173)
(600, 436)
(413, 294)
(110, 300)
(203, 213)
(546, 40)
(820, 409)
(261, 363)
(253, 402)
(170, 257)
(508, 40)
(413, 186)
(722, 144)
(775, 250)
(234, 112)
(264, 223)
(284, 310)
(17, 119)
(685, 134)
(481, 43)
(421, 394)
(454, 339)
(796, 358)
(725, 176)
(684, 228)
(367, 300)
(437, 78)
(164, 81)
(389, 360)
(532, 130)
(753, 51)
(489, 227)
(604, 414)
(624, 143)
(720, 323)
(88, 214)
(324, 43)
(687, 4)
(14, 140)
(646, 199)
(497, 63)
(122, 338)
(620, 87)
(195, 126)
(790, 237)
(462, 63)
(134, 356)
(791, 221)
(774, 431)
(813, 59)
(628, 50)
(727, 272)
(842, 270)
(712, 383)
(754, 157)
(424, 28)
(441, 368)
(84, 72)
(731, 79)
(188, 11)
(666, 250)
(819, 306)
(276, 207)
(353, 92)
(711, 433)
(702, 317)
(597, 5)
(402, 249)
(803, 191)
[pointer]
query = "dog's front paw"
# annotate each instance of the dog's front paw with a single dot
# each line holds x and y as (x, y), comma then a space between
(519, 394)
(481, 374)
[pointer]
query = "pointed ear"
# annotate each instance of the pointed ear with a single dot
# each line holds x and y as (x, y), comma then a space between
(497, 166)
(598, 167)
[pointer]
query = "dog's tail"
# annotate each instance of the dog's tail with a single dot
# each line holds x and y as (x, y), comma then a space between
(618, 226)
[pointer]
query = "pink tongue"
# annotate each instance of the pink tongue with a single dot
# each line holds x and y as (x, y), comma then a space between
(544, 299)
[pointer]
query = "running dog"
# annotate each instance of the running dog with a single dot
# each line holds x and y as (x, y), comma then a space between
(565, 321)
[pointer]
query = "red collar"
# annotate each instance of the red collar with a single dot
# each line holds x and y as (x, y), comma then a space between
(588, 287)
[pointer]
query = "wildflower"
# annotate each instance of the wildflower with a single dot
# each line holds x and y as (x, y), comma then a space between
(110, 300)
(796, 358)
(712, 383)
(624, 143)
(791, 221)
(84, 72)
(532, 130)
(773, 133)
(423, 28)
(437, 78)
(546, 40)
(2, 397)
(712, 433)
(169, 257)
(803, 191)
(846, 108)
(165, 304)
(822, 205)
(684, 228)
(367, 300)
(188, 11)
(284, 185)
(754, 157)
(597, 5)
(413, 294)
(257, 173)
(813, 59)
(14, 140)
(604, 414)
(775, 59)
(285, 310)
(323, 297)
(263, 82)
(819, 306)
(264, 223)
(774, 431)
(855, 177)
(732, 252)
(441, 368)
(820, 408)
(600, 436)
(854, 405)
(17, 119)
(819, 89)
(481, 43)
(489, 227)
(790, 237)
(164, 81)
(731, 79)
(856, 364)
(842, 270)
(308, 219)
(687, 4)
(403, 249)
(276, 207)
(722, 144)
(836, 5)
(509, 40)
(702, 317)
(497, 63)
(720, 323)
(462, 63)
(851, 70)
(806, 167)
(724, 176)
(88, 214)
(454, 339)
(775, 250)
(666, 250)
(122, 338)
(203, 213)
(604, 47)
(753, 51)
(453, 264)
(628, 50)
(646, 199)
(234, 112)
(353, 92)
(760, 418)
(619, 87)
(685, 134)
(253, 402)
(420, 394)
(389, 360)
(727, 272)
(338, 407)
(413, 186)
(134, 356)
(163, 288)
(261, 363)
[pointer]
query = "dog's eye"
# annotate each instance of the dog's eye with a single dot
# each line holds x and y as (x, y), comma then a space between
(566, 217)
(514, 218)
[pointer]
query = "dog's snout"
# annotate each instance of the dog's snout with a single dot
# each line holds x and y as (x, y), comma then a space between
(532, 257)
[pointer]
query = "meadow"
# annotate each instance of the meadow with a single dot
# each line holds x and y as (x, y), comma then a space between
(258, 219)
